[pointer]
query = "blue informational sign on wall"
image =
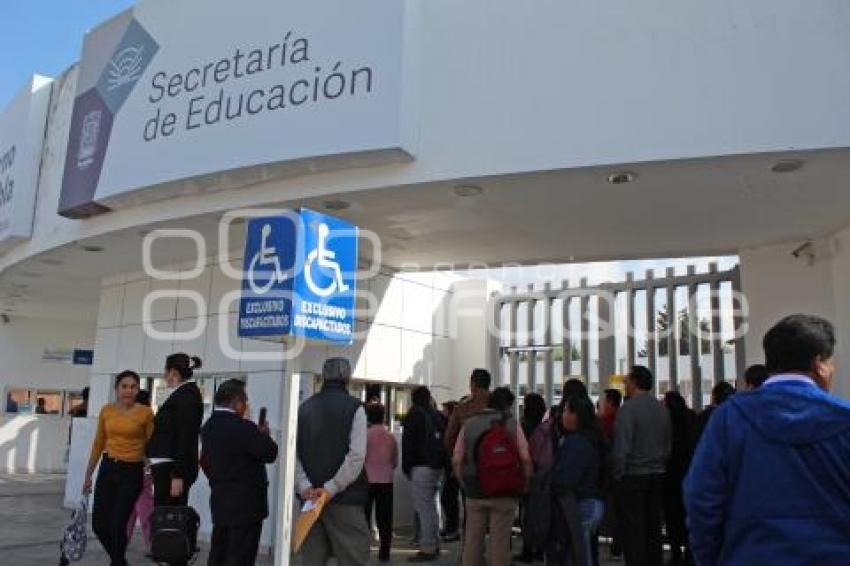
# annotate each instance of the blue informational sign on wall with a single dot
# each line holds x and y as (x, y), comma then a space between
(299, 277)
(83, 357)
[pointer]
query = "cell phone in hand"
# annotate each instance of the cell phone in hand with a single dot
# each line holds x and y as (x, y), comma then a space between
(262, 420)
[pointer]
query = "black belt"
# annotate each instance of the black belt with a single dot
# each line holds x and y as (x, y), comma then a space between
(112, 460)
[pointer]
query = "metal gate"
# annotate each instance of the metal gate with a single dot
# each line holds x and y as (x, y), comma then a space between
(625, 318)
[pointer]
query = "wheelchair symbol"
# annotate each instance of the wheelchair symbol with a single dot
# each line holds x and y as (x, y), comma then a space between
(326, 259)
(267, 256)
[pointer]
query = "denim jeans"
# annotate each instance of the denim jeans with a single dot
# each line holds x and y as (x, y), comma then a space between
(590, 512)
(424, 483)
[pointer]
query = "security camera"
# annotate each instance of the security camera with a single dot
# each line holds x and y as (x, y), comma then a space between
(806, 252)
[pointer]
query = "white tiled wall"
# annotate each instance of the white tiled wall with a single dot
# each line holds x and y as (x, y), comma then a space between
(401, 343)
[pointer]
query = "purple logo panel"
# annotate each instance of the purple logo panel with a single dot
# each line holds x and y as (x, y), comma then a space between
(91, 124)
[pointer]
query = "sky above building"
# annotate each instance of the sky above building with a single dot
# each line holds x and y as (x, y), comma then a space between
(45, 37)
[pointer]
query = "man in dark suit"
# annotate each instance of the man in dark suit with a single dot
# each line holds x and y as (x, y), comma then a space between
(235, 454)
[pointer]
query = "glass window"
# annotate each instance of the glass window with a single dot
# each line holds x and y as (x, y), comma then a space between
(159, 392)
(400, 406)
(48, 402)
(73, 401)
(19, 401)
(207, 385)
(357, 389)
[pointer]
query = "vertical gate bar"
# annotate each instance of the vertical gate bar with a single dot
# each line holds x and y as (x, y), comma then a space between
(567, 342)
(532, 341)
(512, 341)
(740, 351)
(630, 320)
(694, 343)
(548, 356)
(605, 338)
(717, 341)
(672, 327)
(585, 333)
(650, 322)
(514, 371)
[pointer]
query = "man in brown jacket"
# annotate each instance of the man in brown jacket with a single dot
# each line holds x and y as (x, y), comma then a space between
(479, 388)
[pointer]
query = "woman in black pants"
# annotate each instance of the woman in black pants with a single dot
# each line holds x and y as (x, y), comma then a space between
(123, 428)
(173, 449)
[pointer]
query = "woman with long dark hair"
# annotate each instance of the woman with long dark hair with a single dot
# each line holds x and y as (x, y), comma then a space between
(533, 411)
(580, 471)
(683, 422)
(123, 428)
(173, 449)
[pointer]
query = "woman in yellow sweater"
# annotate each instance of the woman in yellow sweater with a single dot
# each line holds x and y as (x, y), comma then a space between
(123, 429)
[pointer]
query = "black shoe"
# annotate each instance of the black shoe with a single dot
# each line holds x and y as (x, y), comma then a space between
(423, 557)
(450, 536)
(524, 558)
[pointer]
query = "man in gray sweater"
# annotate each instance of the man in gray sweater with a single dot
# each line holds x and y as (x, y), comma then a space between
(642, 441)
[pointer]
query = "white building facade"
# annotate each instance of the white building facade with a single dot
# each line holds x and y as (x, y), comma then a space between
(458, 133)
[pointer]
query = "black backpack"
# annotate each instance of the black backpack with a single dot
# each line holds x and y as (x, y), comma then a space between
(174, 534)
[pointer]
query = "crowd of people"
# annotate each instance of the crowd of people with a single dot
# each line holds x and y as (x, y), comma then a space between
(635, 469)
(759, 476)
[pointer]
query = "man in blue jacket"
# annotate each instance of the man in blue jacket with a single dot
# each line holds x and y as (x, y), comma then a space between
(770, 481)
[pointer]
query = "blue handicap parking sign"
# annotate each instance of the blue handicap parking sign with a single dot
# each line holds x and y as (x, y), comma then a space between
(266, 304)
(323, 303)
(299, 277)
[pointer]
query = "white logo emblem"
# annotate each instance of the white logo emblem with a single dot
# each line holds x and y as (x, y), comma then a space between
(125, 67)
(88, 139)
(267, 255)
(327, 260)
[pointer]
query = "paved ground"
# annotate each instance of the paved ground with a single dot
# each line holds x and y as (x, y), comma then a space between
(32, 519)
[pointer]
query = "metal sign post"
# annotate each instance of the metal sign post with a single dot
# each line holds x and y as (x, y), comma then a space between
(287, 455)
(298, 283)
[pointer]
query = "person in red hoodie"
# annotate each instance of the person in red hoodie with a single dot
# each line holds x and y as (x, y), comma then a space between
(609, 404)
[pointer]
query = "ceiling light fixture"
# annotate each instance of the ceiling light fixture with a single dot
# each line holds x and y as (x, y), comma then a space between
(787, 166)
(621, 177)
(30, 274)
(93, 249)
(466, 191)
(51, 261)
(336, 204)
